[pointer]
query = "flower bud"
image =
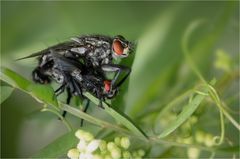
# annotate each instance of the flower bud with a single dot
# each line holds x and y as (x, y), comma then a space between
(73, 153)
(125, 143)
(126, 154)
(193, 153)
(117, 140)
(103, 145)
(93, 145)
(141, 152)
(79, 134)
(208, 141)
(135, 154)
(116, 153)
(200, 136)
(88, 136)
(82, 145)
(110, 146)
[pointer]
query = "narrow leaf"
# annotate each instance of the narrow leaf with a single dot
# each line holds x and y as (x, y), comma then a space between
(14, 79)
(122, 118)
(91, 119)
(42, 93)
(184, 115)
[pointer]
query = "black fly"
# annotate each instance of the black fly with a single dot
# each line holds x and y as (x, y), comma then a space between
(81, 65)
(95, 51)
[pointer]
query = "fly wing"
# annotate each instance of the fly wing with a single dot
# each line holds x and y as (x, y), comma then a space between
(65, 64)
(61, 48)
(32, 55)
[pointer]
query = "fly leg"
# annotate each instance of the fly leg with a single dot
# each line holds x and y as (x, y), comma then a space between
(85, 110)
(60, 90)
(69, 96)
(119, 69)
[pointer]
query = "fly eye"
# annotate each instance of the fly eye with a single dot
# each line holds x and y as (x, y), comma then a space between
(118, 48)
(107, 85)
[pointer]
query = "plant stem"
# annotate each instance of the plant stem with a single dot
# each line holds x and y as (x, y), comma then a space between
(92, 120)
(65, 122)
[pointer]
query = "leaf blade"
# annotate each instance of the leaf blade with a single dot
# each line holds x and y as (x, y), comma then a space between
(122, 118)
(183, 116)
(42, 93)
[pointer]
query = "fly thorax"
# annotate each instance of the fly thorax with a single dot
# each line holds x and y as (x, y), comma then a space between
(57, 76)
(77, 74)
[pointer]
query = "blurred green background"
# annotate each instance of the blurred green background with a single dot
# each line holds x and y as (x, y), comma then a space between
(159, 70)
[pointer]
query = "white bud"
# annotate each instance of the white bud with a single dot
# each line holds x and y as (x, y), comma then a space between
(117, 140)
(89, 156)
(208, 141)
(93, 145)
(125, 142)
(82, 156)
(111, 145)
(79, 134)
(88, 136)
(141, 152)
(82, 145)
(103, 145)
(200, 136)
(73, 153)
(193, 153)
(116, 153)
(126, 154)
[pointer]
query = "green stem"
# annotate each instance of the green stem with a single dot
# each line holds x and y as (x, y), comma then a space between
(93, 120)
(65, 122)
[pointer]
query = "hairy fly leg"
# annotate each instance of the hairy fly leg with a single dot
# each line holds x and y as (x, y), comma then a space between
(69, 96)
(60, 90)
(118, 69)
(85, 110)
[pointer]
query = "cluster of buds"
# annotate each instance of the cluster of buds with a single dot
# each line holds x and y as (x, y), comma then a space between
(200, 138)
(91, 148)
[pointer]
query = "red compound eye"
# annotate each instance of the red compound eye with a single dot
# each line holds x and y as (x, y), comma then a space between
(107, 85)
(118, 47)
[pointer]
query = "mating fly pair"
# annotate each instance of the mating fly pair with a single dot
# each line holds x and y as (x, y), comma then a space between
(82, 65)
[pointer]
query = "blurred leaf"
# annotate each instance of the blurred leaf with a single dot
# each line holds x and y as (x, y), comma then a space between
(59, 147)
(187, 111)
(42, 93)
(5, 92)
(159, 52)
(14, 79)
(150, 65)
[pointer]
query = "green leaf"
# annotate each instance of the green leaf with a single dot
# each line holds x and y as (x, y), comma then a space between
(121, 118)
(92, 119)
(187, 111)
(59, 147)
(150, 65)
(43, 93)
(5, 92)
(14, 79)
